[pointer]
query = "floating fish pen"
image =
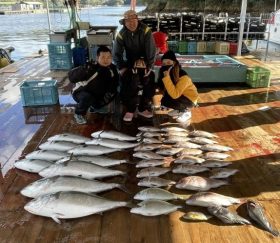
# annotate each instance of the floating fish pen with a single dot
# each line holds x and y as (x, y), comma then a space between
(190, 26)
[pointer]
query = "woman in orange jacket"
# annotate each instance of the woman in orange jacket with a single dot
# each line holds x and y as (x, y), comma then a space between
(179, 92)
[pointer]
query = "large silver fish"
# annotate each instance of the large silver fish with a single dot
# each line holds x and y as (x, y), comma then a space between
(79, 168)
(66, 205)
(67, 183)
(69, 137)
(207, 199)
(147, 155)
(151, 171)
(113, 135)
(199, 183)
(189, 169)
(226, 216)
(47, 155)
(155, 181)
(154, 208)
(256, 212)
(32, 165)
(91, 150)
(158, 194)
(62, 146)
(111, 143)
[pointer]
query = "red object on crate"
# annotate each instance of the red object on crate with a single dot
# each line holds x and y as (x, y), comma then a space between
(233, 48)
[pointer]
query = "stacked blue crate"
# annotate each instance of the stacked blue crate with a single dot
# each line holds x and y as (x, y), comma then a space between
(60, 56)
(79, 56)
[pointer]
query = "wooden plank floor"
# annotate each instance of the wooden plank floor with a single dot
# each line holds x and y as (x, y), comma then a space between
(244, 118)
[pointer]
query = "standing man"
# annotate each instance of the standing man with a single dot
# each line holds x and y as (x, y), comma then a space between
(96, 85)
(134, 56)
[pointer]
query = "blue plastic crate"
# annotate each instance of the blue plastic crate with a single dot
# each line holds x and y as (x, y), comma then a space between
(60, 62)
(34, 93)
(60, 56)
(59, 49)
(191, 47)
(173, 46)
(79, 56)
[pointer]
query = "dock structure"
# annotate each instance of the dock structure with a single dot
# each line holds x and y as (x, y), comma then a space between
(244, 118)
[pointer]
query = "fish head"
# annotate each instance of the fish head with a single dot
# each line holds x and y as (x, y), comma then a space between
(21, 164)
(251, 205)
(41, 205)
(142, 195)
(182, 182)
(36, 188)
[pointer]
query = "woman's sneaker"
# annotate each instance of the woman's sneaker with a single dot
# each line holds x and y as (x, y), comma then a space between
(80, 119)
(128, 116)
(146, 114)
(184, 117)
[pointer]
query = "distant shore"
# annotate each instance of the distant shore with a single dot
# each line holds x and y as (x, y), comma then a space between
(37, 11)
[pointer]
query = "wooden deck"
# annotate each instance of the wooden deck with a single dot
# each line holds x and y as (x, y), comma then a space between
(246, 119)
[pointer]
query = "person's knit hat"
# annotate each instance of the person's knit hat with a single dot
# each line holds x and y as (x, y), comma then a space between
(129, 14)
(169, 55)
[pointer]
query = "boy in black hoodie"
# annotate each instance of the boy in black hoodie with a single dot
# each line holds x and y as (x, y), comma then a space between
(96, 86)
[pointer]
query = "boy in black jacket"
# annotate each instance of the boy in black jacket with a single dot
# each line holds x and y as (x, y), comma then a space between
(95, 86)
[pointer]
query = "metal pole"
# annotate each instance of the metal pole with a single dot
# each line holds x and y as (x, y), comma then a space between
(48, 14)
(241, 26)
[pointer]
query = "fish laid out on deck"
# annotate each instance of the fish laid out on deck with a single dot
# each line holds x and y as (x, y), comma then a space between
(226, 216)
(60, 205)
(158, 194)
(67, 183)
(154, 208)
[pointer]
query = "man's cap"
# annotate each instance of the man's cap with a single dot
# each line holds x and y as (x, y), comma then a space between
(169, 55)
(129, 14)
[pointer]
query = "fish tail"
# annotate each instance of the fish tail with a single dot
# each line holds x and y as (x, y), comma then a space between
(183, 197)
(275, 232)
(124, 189)
(130, 204)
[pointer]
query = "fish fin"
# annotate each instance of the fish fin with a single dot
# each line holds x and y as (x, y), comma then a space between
(275, 232)
(55, 218)
(60, 161)
(130, 204)
(183, 197)
(123, 188)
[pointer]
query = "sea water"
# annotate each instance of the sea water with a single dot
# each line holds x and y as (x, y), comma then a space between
(29, 33)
